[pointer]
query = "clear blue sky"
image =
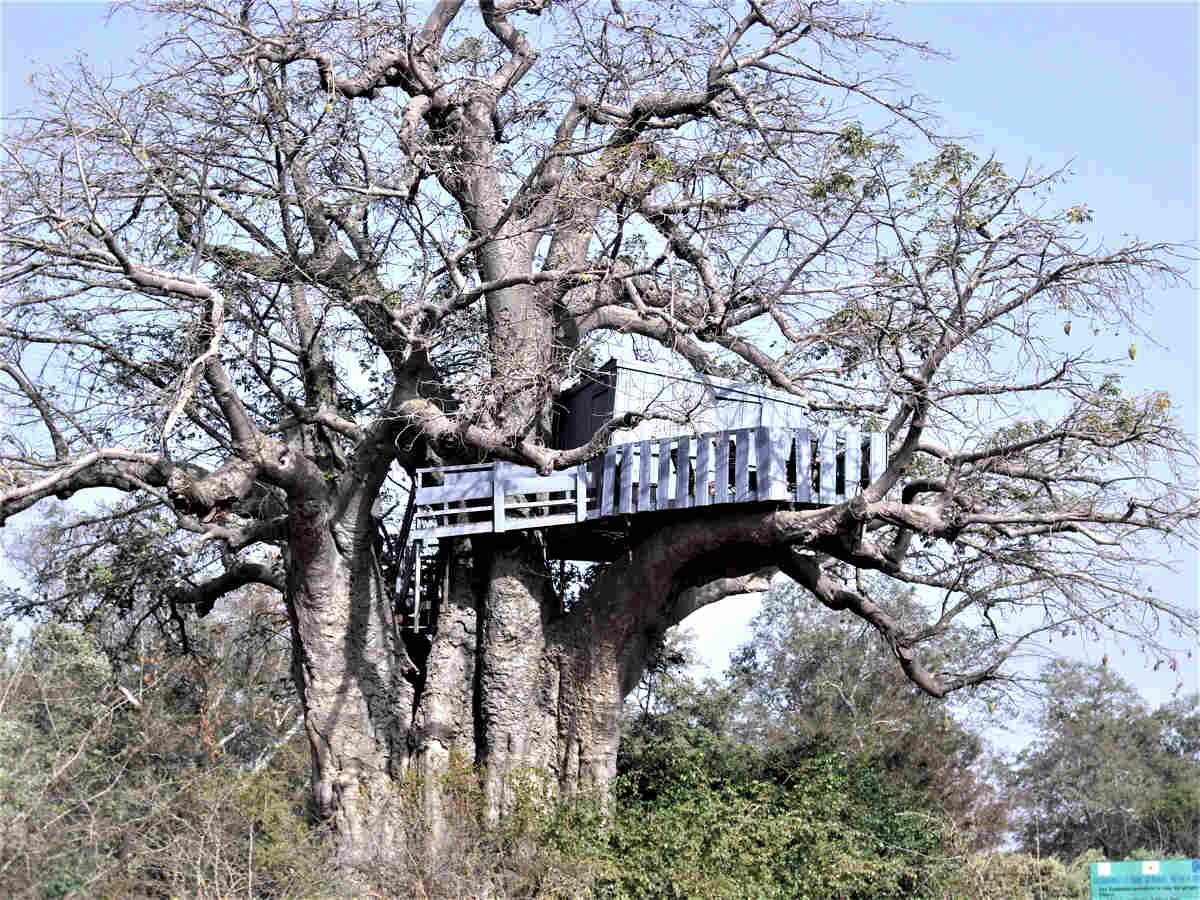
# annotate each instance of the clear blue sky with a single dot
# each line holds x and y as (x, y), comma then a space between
(1112, 87)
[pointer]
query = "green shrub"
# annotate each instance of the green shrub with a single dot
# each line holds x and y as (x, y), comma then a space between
(823, 826)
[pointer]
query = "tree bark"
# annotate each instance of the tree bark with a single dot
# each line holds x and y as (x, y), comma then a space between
(354, 679)
(509, 683)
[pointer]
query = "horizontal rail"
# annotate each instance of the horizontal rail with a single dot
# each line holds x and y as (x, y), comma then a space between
(798, 465)
(500, 497)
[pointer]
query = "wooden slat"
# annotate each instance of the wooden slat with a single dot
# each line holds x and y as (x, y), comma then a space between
(878, 453)
(595, 482)
(645, 475)
(606, 483)
(762, 457)
(431, 525)
(780, 443)
(663, 500)
(524, 480)
(626, 487)
(742, 466)
(580, 493)
(853, 462)
(511, 505)
(683, 466)
(476, 505)
(454, 494)
(703, 476)
(498, 496)
(802, 439)
(721, 469)
(442, 531)
(457, 487)
(828, 453)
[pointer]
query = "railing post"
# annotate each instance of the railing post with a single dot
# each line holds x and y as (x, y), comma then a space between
(703, 453)
(742, 468)
(645, 475)
(683, 468)
(625, 489)
(721, 469)
(853, 474)
(498, 473)
(762, 453)
(878, 453)
(663, 501)
(828, 457)
(803, 443)
(580, 492)
(606, 482)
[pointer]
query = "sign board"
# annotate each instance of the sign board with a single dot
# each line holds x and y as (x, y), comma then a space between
(1151, 879)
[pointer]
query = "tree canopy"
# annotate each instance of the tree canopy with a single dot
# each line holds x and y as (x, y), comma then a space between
(1105, 771)
(810, 674)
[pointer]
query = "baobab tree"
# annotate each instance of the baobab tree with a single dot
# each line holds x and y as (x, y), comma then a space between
(303, 250)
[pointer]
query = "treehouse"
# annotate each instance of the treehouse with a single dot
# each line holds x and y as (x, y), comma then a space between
(673, 402)
(720, 443)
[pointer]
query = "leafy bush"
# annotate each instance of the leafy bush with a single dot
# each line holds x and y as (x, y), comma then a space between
(107, 791)
(112, 792)
(812, 824)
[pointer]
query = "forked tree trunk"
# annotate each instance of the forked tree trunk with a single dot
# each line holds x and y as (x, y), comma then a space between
(509, 683)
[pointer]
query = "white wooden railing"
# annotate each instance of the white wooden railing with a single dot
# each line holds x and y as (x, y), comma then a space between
(496, 497)
(741, 466)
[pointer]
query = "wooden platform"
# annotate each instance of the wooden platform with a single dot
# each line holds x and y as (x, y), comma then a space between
(596, 510)
(748, 465)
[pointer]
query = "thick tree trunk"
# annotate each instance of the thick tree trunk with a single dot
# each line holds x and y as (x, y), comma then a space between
(509, 684)
(354, 679)
(549, 689)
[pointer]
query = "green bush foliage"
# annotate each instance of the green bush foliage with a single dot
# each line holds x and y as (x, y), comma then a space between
(108, 790)
(812, 824)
